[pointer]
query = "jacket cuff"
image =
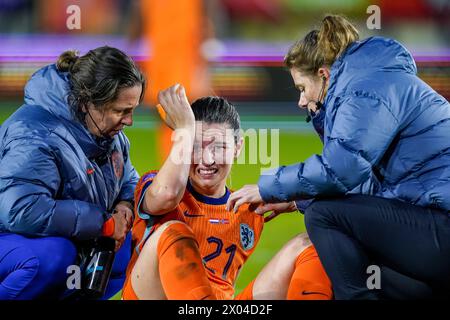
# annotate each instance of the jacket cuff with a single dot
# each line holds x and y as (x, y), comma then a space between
(268, 186)
(77, 219)
(302, 205)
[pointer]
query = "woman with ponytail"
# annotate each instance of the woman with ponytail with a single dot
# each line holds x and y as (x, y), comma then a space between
(65, 168)
(379, 194)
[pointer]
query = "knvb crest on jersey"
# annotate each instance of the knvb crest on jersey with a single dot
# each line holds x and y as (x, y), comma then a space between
(247, 236)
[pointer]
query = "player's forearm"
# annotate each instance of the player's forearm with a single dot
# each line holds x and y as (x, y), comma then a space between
(169, 185)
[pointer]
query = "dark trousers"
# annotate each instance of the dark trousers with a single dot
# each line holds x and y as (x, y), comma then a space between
(410, 245)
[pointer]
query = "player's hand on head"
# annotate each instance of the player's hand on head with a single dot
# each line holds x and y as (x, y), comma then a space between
(177, 110)
(247, 194)
(275, 209)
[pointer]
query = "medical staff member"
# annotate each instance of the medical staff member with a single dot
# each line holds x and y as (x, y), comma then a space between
(64, 168)
(381, 187)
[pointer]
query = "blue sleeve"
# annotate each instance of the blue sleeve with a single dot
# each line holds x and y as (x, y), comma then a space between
(131, 177)
(29, 184)
(362, 131)
(302, 205)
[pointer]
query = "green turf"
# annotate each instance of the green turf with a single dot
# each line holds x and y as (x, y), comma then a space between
(293, 146)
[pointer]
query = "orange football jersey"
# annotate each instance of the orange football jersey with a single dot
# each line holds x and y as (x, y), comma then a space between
(226, 239)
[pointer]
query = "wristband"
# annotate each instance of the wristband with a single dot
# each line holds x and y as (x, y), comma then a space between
(108, 227)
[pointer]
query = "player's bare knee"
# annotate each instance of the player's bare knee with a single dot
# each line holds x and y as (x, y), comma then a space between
(299, 243)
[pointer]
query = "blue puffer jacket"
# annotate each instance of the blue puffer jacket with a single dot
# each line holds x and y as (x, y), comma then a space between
(386, 133)
(55, 178)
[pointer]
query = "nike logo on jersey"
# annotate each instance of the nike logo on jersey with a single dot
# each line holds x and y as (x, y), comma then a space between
(191, 215)
(305, 293)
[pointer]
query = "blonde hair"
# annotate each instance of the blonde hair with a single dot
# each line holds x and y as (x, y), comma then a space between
(322, 47)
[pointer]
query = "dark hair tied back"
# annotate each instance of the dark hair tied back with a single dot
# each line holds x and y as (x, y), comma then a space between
(66, 60)
(97, 78)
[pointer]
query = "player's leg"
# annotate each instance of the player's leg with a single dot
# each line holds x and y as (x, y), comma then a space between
(309, 280)
(295, 273)
(170, 266)
(274, 279)
(144, 282)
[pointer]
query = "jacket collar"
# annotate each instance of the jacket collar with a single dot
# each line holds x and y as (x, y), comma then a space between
(48, 88)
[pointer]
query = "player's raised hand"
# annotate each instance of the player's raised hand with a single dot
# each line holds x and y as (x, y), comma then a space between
(276, 208)
(247, 194)
(177, 110)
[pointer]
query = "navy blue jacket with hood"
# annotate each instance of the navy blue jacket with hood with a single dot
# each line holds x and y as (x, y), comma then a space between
(56, 179)
(385, 133)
